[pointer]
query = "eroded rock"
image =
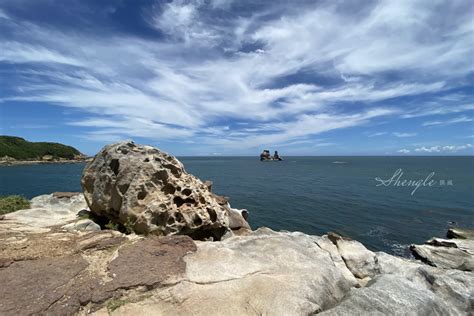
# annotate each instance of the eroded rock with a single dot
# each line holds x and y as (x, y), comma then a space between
(359, 260)
(453, 253)
(82, 225)
(461, 233)
(36, 286)
(264, 273)
(149, 192)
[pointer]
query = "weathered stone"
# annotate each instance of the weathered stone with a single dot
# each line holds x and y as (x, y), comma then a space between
(460, 233)
(260, 274)
(453, 287)
(148, 191)
(37, 286)
(68, 195)
(390, 295)
(100, 240)
(444, 257)
(46, 211)
(360, 261)
(82, 226)
(158, 259)
(326, 244)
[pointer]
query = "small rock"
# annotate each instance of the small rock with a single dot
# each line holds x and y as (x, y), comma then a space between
(83, 225)
(83, 212)
(65, 195)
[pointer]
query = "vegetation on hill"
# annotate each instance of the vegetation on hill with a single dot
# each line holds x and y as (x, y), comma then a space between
(12, 203)
(21, 149)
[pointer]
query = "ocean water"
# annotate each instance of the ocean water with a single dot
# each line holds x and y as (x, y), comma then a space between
(316, 194)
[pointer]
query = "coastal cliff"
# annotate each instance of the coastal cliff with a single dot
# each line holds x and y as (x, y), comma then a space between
(16, 150)
(110, 251)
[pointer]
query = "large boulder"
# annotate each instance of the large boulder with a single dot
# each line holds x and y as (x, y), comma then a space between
(148, 191)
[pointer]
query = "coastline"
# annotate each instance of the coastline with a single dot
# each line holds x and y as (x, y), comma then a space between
(40, 162)
(95, 270)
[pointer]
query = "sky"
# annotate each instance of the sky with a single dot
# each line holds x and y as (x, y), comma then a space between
(224, 77)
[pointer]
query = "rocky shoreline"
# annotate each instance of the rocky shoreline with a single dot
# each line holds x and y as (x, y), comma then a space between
(179, 249)
(41, 162)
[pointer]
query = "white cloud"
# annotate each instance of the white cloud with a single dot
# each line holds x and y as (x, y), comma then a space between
(23, 53)
(3, 15)
(460, 119)
(404, 151)
(376, 134)
(443, 149)
(441, 107)
(398, 134)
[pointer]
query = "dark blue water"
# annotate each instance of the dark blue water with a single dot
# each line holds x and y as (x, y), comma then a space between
(313, 194)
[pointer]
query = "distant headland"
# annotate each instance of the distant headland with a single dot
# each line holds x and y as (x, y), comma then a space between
(16, 150)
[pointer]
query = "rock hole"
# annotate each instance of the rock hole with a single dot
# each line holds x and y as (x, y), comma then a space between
(168, 189)
(141, 195)
(123, 187)
(114, 165)
(174, 170)
(160, 219)
(190, 201)
(186, 192)
(146, 160)
(178, 201)
(197, 221)
(179, 217)
(208, 233)
(160, 175)
(212, 214)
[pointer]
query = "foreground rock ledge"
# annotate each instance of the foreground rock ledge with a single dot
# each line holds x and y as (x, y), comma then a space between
(148, 191)
(56, 270)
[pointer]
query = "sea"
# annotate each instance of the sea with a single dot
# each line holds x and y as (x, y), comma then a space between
(387, 203)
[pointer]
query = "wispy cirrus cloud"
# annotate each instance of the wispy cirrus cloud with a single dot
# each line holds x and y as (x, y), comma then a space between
(399, 134)
(456, 120)
(289, 73)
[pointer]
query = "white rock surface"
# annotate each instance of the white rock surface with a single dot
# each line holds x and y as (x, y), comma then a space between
(360, 261)
(262, 274)
(283, 273)
(82, 226)
(447, 253)
(46, 211)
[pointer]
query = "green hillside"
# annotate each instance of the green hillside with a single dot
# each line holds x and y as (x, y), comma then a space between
(21, 149)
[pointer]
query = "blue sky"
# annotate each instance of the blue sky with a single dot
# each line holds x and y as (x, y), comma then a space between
(223, 77)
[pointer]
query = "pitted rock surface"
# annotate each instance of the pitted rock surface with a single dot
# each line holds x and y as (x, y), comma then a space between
(148, 191)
